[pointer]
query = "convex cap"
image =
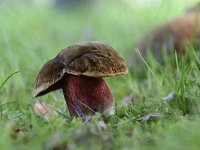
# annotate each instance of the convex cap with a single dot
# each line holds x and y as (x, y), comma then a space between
(91, 59)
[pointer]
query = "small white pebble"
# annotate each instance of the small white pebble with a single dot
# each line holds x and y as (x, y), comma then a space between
(43, 110)
(101, 124)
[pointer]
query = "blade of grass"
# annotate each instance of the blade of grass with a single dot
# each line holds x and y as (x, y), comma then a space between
(177, 65)
(4, 82)
(1, 113)
(137, 50)
(8, 103)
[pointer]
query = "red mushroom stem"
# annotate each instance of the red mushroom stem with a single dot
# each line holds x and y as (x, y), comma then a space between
(87, 95)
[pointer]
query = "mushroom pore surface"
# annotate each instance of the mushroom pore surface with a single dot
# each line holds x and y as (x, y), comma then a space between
(86, 95)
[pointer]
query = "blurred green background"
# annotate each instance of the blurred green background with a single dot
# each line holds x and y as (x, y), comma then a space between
(32, 32)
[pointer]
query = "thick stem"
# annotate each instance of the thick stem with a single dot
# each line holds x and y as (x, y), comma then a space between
(86, 95)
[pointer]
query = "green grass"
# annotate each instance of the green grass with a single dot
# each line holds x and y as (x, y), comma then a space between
(31, 35)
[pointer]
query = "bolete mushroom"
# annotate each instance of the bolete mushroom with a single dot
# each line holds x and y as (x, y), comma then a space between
(79, 70)
(174, 35)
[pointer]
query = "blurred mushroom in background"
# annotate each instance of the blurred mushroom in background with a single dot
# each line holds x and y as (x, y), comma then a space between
(194, 8)
(176, 34)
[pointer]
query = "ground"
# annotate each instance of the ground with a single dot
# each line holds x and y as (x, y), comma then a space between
(31, 35)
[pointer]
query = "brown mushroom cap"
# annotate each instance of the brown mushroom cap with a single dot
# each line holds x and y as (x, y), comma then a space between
(91, 59)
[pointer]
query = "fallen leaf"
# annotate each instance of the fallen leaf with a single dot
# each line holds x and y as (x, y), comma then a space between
(183, 103)
(128, 100)
(148, 117)
(169, 97)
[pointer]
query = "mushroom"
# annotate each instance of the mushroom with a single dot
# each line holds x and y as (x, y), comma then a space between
(195, 8)
(174, 35)
(79, 70)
